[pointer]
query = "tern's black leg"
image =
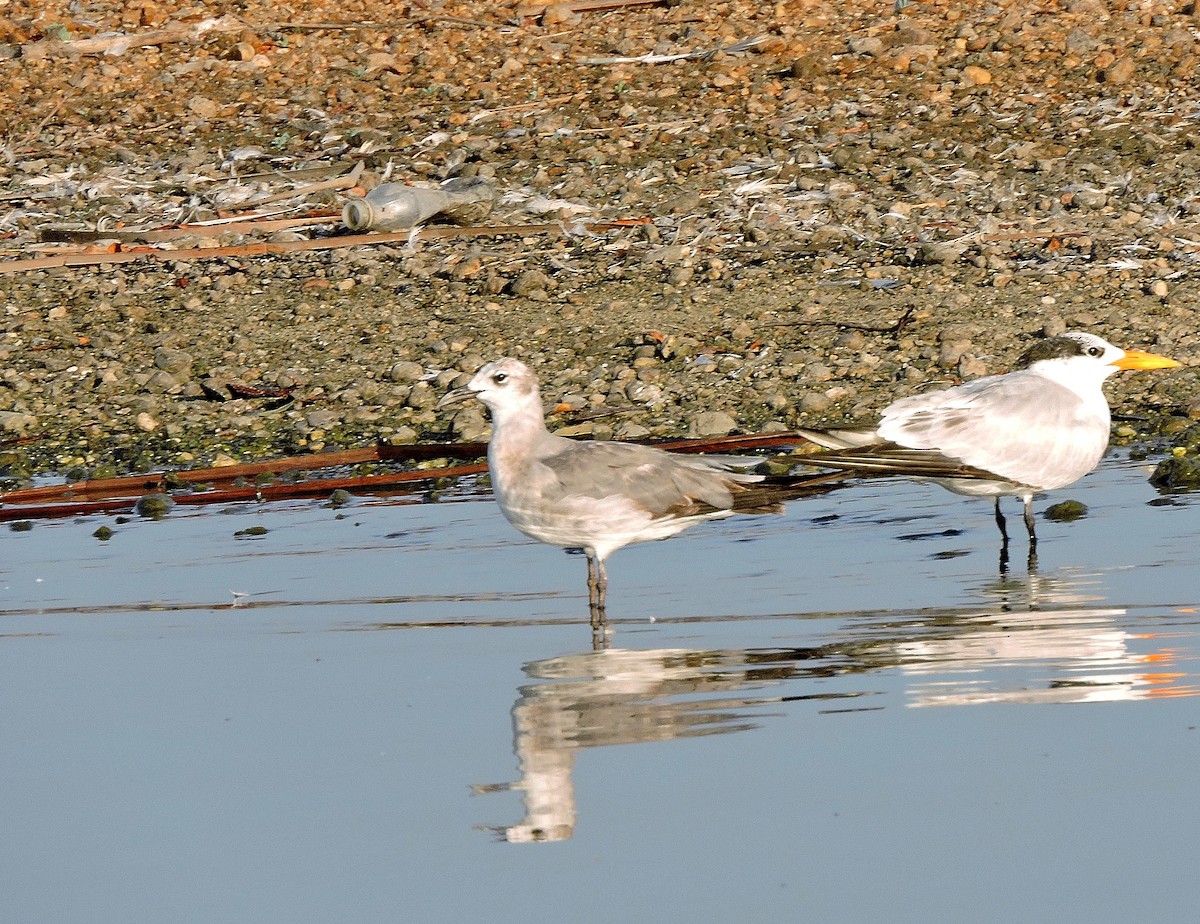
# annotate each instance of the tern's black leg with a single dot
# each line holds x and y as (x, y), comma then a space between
(1001, 522)
(1029, 519)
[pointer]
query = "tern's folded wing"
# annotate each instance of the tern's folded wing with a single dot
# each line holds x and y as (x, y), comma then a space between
(890, 459)
(1023, 428)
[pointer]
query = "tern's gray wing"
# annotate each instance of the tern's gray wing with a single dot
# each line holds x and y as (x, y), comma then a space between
(1022, 427)
(661, 483)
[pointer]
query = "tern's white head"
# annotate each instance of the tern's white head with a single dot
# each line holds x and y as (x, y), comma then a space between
(1082, 361)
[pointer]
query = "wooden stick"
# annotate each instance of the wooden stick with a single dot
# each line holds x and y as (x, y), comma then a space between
(114, 503)
(375, 25)
(586, 6)
(129, 487)
(246, 226)
(265, 247)
(121, 42)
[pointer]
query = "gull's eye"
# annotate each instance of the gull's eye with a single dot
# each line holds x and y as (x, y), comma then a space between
(500, 378)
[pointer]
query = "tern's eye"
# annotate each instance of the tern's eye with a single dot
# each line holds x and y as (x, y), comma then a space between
(500, 378)
(1095, 351)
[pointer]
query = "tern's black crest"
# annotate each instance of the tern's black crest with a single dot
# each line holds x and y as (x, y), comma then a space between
(1054, 348)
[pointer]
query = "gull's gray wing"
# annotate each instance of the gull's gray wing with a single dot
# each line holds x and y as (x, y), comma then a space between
(661, 483)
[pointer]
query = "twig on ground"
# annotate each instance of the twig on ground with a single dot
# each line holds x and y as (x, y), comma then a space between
(535, 10)
(259, 248)
(119, 42)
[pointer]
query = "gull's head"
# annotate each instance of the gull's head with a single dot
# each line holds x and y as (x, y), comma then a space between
(1081, 357)
(505, 385)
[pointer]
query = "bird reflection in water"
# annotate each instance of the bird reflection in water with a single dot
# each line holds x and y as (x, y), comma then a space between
(1043, 640)
(624, 696)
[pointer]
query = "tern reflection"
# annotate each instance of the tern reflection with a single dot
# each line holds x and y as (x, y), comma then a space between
(1055, 656)
(1040, 639)
(1017, 651)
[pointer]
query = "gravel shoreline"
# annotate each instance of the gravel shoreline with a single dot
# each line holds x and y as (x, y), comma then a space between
(858, 204)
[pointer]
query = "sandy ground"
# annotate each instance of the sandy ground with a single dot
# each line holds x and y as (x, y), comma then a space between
(820, 207)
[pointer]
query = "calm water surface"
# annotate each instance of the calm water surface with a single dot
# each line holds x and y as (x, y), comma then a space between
(394, 712)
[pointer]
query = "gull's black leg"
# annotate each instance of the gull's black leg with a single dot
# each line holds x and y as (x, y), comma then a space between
(597, 587)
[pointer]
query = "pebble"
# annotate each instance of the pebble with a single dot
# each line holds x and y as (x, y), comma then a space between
(712, 423)
(815, 403)
(154, 506)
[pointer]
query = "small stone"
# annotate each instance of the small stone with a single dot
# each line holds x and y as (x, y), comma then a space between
(340, 498)
(402, 436)
(1066, 511)
(204, 107)
(850, 340)
(952, 351)
(680, 275)
(561, 14)
(866, 45)
(712, 423)
(154, 506)
(16, 422)
(531, 284)
(176, 362)
(406, 372)
(815, 403)
(1159, 288)
(103, 533)
(1120, 72)
(943, 252)
(422, 396)
(470, 426)
(975, 76)
(322, 419)
(146, 422)
(1177, 472)
(971, 367)
(1089, 198)
(632, 431)
(1078, 42)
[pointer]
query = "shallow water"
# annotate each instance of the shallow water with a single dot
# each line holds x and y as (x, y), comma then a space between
(395, 712)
